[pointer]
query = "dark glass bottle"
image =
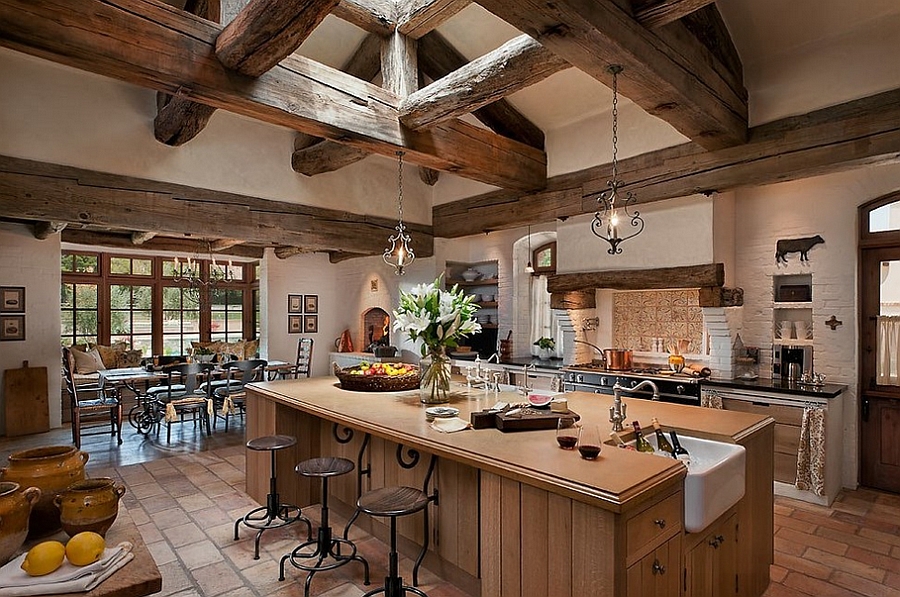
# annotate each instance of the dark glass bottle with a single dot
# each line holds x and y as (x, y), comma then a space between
(639, 440)
(661, 442)
(678, 450)
(619, 442)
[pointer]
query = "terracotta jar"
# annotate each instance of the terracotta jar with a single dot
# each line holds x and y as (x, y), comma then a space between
(51, 469)
(89, 505)
(15, 508)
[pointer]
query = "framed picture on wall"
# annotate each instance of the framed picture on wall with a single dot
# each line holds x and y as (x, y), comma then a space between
(12, 327)
(311, 303)
(310, 324)
(295, 324)
(12, 299)
(295, 303)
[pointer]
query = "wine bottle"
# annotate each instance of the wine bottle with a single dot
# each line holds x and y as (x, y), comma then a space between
(639, 440)
(678, 450)
(619, 441)
(661, 442)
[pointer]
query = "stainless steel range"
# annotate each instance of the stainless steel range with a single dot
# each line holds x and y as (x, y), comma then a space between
(677, 388)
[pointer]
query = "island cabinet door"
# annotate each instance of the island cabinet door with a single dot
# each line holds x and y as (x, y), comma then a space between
(657, 574)
(711, 563)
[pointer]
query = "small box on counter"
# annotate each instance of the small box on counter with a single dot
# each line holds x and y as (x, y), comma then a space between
(485, 419)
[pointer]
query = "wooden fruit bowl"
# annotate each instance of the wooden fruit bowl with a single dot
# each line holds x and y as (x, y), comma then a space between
(376, 383)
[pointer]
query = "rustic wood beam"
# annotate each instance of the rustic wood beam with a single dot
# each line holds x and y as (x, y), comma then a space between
(339, 256)
(429, 176)
(121, 240)
(399, 65)
(864, 131)
(721, 297)
(33, 190)
(691, 276)
(45, 229)
(267, 31)
(139, 238)
(672, 77)
(710, 30)
(438, 58)
(125, 40)
(288, 252)
(517, 64)
(373, 16)
(415, 18)
(222, 244)
(575, 299)
(656, 13)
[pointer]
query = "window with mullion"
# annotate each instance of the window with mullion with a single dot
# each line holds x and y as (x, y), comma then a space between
(131, 315)
(227, 310)
(79, 313)
(180, 318)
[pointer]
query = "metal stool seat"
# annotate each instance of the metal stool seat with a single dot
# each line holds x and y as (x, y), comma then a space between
(326, 546)
(274, 514)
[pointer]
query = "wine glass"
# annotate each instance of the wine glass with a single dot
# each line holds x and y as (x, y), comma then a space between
(567, 433)
(589, 442)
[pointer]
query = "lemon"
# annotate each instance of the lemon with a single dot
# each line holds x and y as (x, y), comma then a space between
(85, 548)
(44, 558)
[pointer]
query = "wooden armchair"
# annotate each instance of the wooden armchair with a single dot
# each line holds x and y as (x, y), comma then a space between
(303, 364)
(231, 397)
(88, 403)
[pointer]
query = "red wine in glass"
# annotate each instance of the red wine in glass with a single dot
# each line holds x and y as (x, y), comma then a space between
(566, 442)
(589, 452)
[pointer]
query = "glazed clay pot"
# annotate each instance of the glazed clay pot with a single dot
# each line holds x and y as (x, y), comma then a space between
(89, 505)
(51, 469)
(15, 508)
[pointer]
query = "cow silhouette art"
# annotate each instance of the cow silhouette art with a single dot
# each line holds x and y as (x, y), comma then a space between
(794, 245)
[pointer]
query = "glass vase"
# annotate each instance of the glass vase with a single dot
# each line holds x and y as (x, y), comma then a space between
(434, 377)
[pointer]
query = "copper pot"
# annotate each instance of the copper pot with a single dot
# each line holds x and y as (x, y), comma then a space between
(618, 359)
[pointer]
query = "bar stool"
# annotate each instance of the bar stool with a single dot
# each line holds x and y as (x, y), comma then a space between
(326, 545)
(274, 514)
(391, 502)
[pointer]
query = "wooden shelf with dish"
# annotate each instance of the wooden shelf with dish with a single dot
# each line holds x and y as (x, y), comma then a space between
(468, 284)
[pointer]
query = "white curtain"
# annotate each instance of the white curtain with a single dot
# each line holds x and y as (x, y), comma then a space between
(889, 350)
(543, 324)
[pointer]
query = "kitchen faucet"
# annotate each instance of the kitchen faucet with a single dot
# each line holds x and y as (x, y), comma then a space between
(617, 410)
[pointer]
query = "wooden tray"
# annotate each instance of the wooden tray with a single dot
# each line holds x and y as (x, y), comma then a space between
(531, 418)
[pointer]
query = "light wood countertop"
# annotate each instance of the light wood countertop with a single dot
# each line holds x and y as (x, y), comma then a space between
(616, 481)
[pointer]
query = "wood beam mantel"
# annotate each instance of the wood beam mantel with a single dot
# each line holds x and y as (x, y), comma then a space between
(865, 131)
(691, 276)
(670, 76)
(124, 39)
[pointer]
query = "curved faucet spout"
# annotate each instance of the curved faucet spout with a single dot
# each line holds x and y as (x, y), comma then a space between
(617, 410)
(640, 386)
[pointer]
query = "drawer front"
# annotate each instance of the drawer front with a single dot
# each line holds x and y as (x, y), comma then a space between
(786, 468)
(647, 528)
(788, 415)
(787, 439)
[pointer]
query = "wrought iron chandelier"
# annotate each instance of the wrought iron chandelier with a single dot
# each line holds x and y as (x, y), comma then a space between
(529, 269)
(612, 214)
(190, 272)
(399, 253)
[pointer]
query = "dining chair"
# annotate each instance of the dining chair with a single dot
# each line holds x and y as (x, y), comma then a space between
(303, 364)
(184, 396)
(89, 402)
(230, 398)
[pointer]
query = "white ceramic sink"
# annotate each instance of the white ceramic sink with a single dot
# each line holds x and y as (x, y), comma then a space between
(715, 480)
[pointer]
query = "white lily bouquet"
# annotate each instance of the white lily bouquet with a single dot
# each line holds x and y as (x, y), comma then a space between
(440, 318)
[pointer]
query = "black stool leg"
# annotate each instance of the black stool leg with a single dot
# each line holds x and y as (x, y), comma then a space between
(393, 582)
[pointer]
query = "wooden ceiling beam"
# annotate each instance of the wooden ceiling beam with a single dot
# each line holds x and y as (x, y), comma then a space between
(373, 16)
(33, 190)
(150, 44)
(43, 229)
(438, 58)
(691, 276)
(416, 18)
(669, 75)
(267, 31)
(223, 244)
(139, 238)
(517, 64)
(861, 132)
(653, 14)
(121, 240)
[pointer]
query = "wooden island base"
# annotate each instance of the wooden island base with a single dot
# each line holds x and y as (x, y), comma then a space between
(516, 515)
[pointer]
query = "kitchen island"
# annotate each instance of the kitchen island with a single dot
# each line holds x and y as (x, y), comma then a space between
(516, 515)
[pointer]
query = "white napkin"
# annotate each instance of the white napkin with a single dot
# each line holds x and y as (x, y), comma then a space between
(444, 425)
(67, 578)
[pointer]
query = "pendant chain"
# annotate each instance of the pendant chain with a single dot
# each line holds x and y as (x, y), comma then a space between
(615, 128)
(400, 184)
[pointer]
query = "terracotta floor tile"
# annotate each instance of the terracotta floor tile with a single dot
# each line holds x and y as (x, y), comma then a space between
(173, 517)
(836, 562)
(197, 555)
(815, 586)
(825, 521)
(892, 538)
(795, 524)
(777, 573)
(863, 586)
(816, 541)
(885, 562)
(174, 578)
(892, 580)
(853, 539)
(162, 552)
(779, 590)
(184, 535)
(217, 579)
(800, 564)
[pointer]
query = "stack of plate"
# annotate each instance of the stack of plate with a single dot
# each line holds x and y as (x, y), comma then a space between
(440, 412)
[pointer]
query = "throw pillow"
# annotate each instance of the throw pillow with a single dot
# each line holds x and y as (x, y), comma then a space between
(251, 348)
(129, 358)
(110, 354)
(88, 362)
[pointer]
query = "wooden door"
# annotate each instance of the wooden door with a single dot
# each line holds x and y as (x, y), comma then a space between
(879, 396)
(711, 566)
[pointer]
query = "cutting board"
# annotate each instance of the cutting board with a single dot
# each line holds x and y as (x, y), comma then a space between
(532, 418)
(25, 397)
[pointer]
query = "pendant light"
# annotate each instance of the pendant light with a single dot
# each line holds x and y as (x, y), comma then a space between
(611, 213)
(529, 269)
(399, 253)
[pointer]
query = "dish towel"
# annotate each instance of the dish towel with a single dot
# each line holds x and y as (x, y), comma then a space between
(448, 425)
(811, 456)
(67, 578)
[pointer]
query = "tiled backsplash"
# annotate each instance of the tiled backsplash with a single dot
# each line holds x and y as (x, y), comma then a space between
(639, 317)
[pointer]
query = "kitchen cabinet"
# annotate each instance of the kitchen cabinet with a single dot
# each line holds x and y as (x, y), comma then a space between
(710, 562)
(792, 310)
(482, 280)
(653, 548)
(657, 573)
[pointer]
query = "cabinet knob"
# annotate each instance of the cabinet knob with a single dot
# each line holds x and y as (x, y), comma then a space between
(660, 522)
(658, 568)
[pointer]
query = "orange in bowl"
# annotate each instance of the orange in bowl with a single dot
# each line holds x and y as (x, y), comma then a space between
(463, 349)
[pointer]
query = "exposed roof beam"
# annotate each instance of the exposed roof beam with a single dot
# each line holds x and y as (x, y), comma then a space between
(429, 176)
(121, 240)
(267, 31)
(45, 229)
(656, 13)
(129, 44)
(864, 131)
(517, 64)
(437, 59)
(671, 77)
(374, 16)
(33, 190)
(417, 17)
(287, 252)
(139, 238)
(223, 244)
